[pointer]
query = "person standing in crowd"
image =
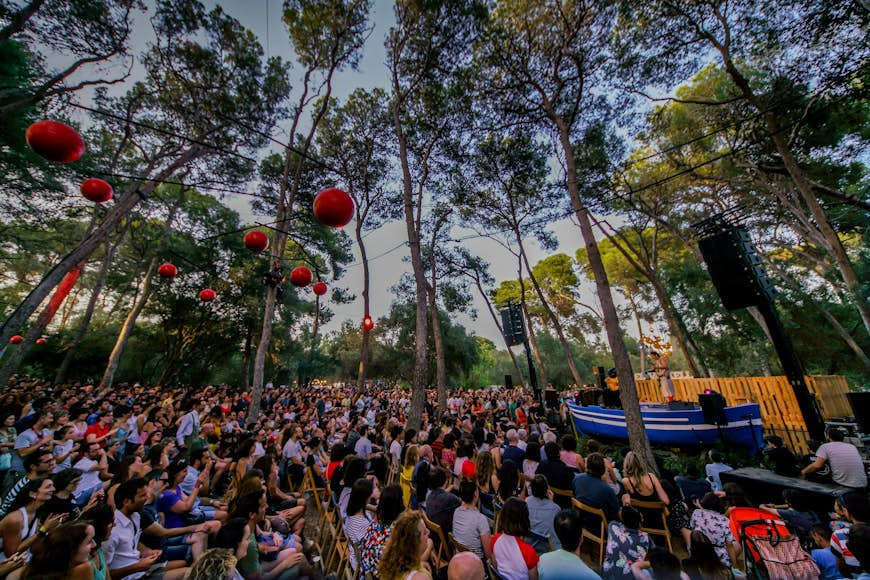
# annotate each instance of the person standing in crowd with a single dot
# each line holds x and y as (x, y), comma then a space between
(663, 372)
(189, 426)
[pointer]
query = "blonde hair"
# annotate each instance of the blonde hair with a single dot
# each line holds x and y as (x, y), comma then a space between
(634, 468)
(214, 564)
(402, 552)
(412, 456)
(484, 467)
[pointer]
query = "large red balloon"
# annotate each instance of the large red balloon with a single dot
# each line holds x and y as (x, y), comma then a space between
(333, 207)
(40, 341)
(207, 295)
(300, 276)
(17, 339)
(96, 190)
(55, 141)
(319, 288)
(167, 270)
(256, 241)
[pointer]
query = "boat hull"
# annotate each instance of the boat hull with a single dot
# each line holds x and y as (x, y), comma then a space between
(679, 428)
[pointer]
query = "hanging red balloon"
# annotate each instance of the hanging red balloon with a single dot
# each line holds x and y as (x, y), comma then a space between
(207, 295)
(40, 341)
(17, 339)
(167, 270)
(256, 241)
(55, 141)
(319, 288)
(96, 190)
(333, 207)
(300, 277)
(368, 323)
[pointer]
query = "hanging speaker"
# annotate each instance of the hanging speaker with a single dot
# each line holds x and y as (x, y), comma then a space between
(736, 269)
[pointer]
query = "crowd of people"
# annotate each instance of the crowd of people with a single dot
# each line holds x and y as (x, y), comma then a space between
(149, 482)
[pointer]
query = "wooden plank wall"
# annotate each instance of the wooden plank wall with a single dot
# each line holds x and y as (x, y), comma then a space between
(779, 408)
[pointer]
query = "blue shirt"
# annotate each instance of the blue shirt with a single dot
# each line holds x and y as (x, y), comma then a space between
(827, 563)
(595, 493)
(513, 453)
(562, 565)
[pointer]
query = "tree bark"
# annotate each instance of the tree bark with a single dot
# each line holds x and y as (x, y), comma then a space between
(246, 360)
(144, 294)
(440, 364)
(62, 371)
(366, 336)
(637, 437)
(87, 246)
(418, 389)
(530, 330)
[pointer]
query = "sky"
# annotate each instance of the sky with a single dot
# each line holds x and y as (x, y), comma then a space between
(384, 246)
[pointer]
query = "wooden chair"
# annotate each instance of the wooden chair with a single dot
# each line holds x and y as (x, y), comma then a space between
(457, 546)
(601, 537)
(317, 493)
(338, 556)
(442, 551)
(493, 573)
(659, 527)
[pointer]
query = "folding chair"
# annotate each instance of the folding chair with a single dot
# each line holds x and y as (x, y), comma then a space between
(542, 543)
(659, 527)
(442, 551)
(457, 546)
(601, 537)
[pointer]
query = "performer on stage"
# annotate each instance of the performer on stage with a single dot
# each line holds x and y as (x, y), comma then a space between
(663, 372)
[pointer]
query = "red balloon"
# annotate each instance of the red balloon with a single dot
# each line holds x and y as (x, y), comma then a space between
(319, 288)
(368, 323)
(333, 207)
(96, 190)
(256, 241)
(207, 295)
(17, 339)
(40, 341)
(300, 277)
(55, 141)
(167, 270)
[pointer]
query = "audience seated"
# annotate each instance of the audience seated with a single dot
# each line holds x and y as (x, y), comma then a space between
(565, 563)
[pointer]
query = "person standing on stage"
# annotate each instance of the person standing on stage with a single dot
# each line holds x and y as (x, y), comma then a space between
(663, 372)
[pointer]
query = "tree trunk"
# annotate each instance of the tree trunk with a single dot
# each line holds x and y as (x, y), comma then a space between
(62, 371)
(634, 311)
(364, 343)
(440, 364)
(42, 321)
(844, 334)
(284, 212)
(804, 186)
(520, 380)
(418, 389)
(87, 246)
(637, 437)
(246, 361)
(554, 320)
(133, 315)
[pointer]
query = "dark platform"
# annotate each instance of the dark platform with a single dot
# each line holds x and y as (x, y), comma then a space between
(764, 486)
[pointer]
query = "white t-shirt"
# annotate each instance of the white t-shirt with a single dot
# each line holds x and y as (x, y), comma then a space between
(90, 479)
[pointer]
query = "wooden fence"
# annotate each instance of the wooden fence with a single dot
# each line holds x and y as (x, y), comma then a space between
(779, 409)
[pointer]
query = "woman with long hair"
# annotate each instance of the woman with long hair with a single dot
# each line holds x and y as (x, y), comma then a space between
(63, 554)
(641, 484)
(291, 508)
(215, 564)
(158, 457)
(704, 563)
(569, 455)
(512, 556)
(484, 472)
(412, 456)
(509, 481)
(242, 462)
(102, 518)
(18, 530)
(7, 441)
(131, 466)
(358, 519)
(407, 549)
(390, 506)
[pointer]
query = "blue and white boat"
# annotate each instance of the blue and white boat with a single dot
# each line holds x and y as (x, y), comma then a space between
(678, 428)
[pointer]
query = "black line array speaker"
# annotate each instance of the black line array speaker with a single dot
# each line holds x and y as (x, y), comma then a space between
(861, 408)
(735, 268)
(508, 382)
(713, 408)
